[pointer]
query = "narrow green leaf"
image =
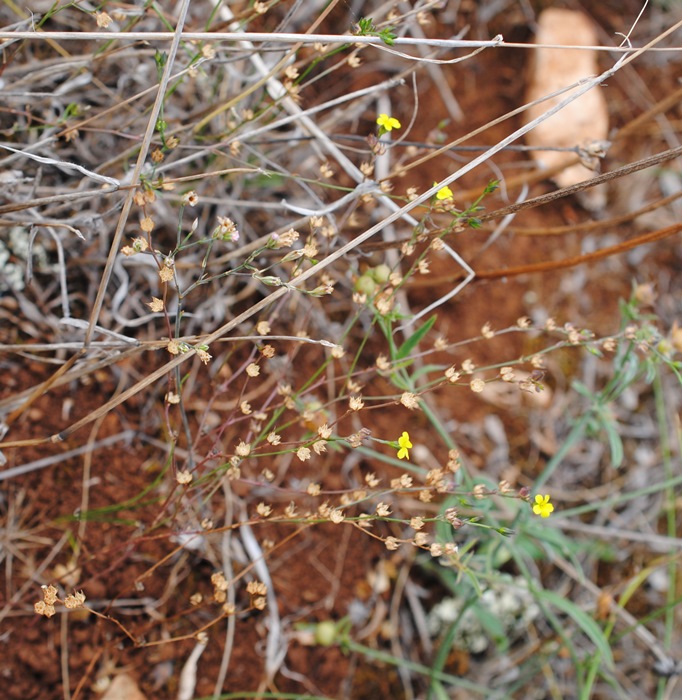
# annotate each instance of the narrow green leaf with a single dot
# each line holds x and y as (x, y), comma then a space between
(411, 343)
(588, 626)
(615, 443)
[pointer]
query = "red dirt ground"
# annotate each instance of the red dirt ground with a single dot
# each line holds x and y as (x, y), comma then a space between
(322, 569)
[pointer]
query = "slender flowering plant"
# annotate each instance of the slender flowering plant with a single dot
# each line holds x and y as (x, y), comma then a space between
(542, 506)
(387, 123)
(443, 193)
(404, 445)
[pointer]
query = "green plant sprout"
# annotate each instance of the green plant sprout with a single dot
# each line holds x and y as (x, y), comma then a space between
(366, 27)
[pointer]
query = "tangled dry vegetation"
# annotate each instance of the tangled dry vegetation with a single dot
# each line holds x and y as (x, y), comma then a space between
(314, 384)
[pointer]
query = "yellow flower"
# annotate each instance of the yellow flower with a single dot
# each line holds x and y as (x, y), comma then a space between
(443, 193)
(542, 506)
(404, 444)
(387, 123)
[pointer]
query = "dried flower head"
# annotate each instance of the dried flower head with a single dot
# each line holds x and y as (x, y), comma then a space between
(371, 480)
(303, 453)
(453, 376)
(436, 550)
(383, 510)
(253, 370)
(49, 594)
(320, 446)
(409, 400)
(468, 366)
(336, 516)
(166, 270)
(203, 355)
(354, 60)
(156, 304)
(263, 510)
(42, 608)
(355, 403)
(507, 374)
(487, 331)
(147, 224)
(74, 601)
(423, 267)
(420, 539)
(477, 385)
(243, 449)
(103, 19)
(402, 482)
(184, 477)
(416, 523)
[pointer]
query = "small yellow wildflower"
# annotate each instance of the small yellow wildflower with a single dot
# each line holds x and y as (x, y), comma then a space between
(404, 445)
(387, 123)
(542, 506)
(443, 193)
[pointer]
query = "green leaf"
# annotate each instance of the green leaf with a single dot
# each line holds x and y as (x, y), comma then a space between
(387, 36)
(588, 626)
(615, 443)
(411, 343)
